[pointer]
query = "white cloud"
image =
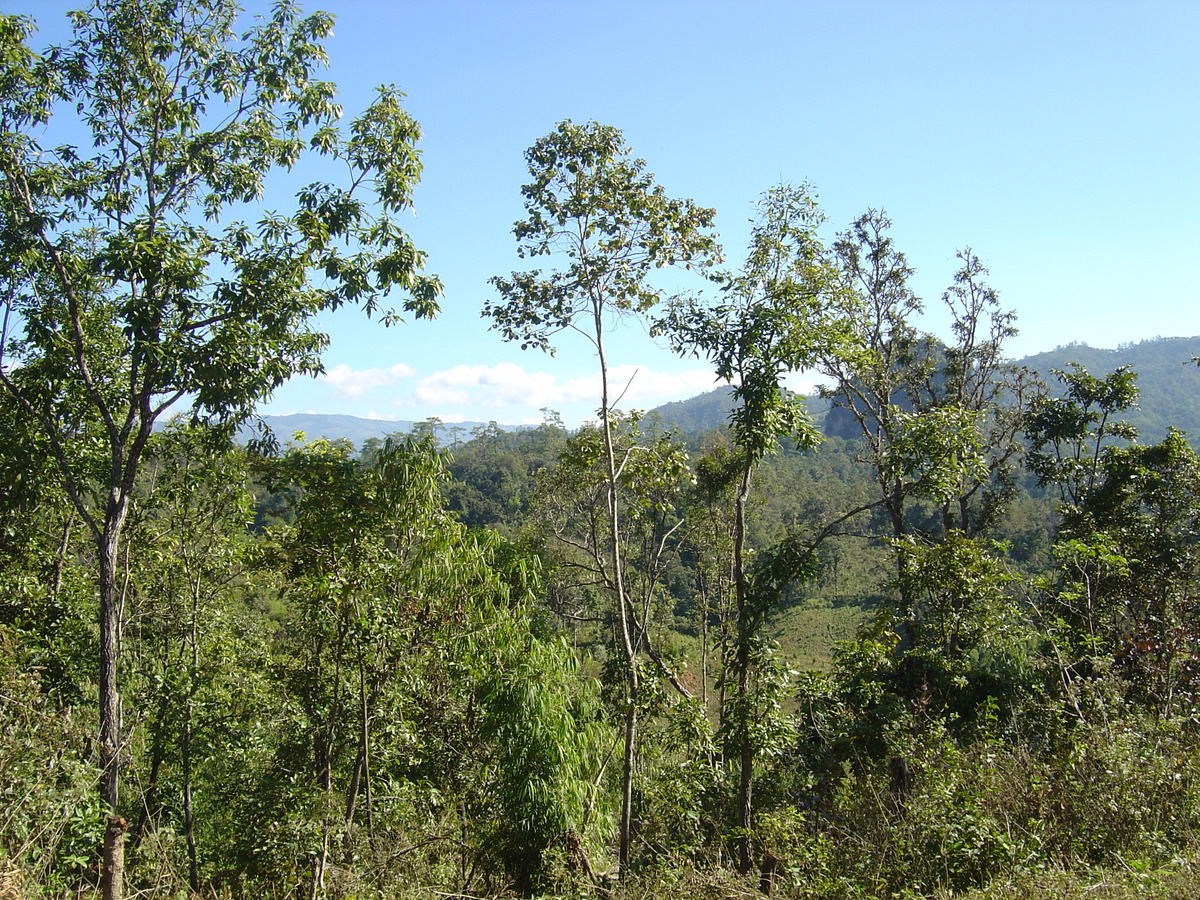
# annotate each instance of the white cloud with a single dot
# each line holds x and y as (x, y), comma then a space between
(803, 382)
(509, 385)
(505, 384)
(355, 382)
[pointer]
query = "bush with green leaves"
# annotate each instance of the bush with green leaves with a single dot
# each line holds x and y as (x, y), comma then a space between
(50, 812)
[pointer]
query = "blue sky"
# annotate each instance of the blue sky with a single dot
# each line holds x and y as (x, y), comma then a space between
(1058, 139)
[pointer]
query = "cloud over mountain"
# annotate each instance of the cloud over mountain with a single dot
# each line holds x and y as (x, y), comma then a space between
(509, 385)
(355, 382)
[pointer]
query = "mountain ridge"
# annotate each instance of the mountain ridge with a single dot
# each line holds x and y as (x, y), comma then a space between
(1167, 377)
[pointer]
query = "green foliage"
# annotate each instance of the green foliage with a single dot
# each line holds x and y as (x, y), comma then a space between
(45, 591)
(699, 414)
(937, 453)
(1128, 587)
(1177, 879)
(129, 276)
(808, 631)
(543, 735)
(186, 118)
(365, 691)
(50, 824)
(492, 476)
(955, 594)
(569, 511)
(781, 314)
(920, 806)
(190, 643)
(683, 797)
(1068, 434)
(418, 693)
(596, 207)
(938, 422)
(592, 202)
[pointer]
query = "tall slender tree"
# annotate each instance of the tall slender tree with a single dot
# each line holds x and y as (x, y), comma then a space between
(780, 313)
(129, 275)
(595, 206)
(939, 421)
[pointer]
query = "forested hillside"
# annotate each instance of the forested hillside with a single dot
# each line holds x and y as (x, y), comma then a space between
(952, 649)
(1167, 377)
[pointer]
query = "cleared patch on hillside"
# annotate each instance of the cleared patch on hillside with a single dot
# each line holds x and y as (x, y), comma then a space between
(808, 631)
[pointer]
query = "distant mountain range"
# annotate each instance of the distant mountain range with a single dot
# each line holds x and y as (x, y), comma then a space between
(331, 427)
(357, 430)
(1167, 376)
(1169, 382)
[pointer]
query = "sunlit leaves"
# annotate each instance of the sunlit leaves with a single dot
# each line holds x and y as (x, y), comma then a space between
(1069, 434)
(187, 119)
(939, 421)
(651, 470)
(955, 593)
(938, 453)
(779, 314)
(410, 644)
(595, 207)
(128, 277)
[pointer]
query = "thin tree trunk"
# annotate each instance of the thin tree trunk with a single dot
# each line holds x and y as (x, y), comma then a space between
(704, 649)
(112, 875)
(358, 775)
(368, 799)
(352, 804)
(113, 879)
(189, 817)
(745, 793)
(325, 745)
(894, 499)
(618, 580)
(60, 558)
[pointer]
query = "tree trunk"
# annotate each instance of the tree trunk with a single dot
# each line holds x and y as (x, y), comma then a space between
(704, 649)
(189, 815)
(618, 581)
(360, 773)
(112, 875)
(745, 793)
(894, 500)
(626, 826)
(113, 881)
(60, 558)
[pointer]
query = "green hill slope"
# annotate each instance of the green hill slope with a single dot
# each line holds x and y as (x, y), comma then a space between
(1168, 379)
(1167, 376)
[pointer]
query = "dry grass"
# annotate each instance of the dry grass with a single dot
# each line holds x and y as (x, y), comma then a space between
(1179, 881)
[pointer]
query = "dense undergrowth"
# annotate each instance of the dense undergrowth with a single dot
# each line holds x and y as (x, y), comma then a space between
(358, 696)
